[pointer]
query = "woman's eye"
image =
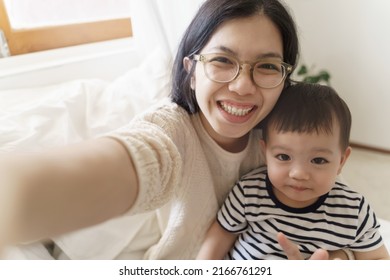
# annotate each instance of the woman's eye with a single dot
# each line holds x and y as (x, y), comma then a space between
(221, 59)
(319, 161)
(268, 67)
(283, 157)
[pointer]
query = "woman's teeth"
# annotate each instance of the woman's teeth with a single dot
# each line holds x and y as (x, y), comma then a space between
(235, 110)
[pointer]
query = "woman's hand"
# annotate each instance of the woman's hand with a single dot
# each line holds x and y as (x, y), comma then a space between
(293, 252)
(10, 200)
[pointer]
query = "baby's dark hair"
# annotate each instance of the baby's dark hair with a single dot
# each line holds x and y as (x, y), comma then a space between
(308, 108)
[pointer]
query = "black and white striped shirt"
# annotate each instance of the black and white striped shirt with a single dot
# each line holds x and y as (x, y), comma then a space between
(339, 219)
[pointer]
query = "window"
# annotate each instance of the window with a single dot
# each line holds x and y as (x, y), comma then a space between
(36, 25)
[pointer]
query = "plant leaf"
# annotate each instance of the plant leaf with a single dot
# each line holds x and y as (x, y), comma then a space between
(302, 70)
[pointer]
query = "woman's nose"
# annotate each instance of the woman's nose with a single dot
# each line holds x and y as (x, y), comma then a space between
(244, 83)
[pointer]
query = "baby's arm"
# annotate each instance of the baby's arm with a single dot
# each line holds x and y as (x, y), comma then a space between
(217, 243)
(378, 254)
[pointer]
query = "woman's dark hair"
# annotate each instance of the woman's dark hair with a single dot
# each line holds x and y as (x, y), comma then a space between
(209, 17)
(309, 108)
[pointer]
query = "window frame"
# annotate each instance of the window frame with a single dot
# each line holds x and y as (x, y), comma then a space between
(39, 39)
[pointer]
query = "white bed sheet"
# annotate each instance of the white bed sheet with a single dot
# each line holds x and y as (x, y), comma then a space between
(33, 118)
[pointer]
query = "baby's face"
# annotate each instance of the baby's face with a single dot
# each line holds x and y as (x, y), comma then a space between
(303, 166)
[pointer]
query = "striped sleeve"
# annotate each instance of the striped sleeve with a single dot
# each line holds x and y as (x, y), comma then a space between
(231, 216)
(368, 236)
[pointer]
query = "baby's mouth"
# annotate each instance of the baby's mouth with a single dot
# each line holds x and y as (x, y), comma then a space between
(299, 188)
(235, 110)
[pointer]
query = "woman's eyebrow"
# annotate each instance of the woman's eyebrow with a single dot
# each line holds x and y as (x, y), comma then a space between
(271, 55)
(224, 49)
(231, 52)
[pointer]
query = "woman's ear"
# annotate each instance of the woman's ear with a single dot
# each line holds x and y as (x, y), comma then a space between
(188, 66)
(344, 158)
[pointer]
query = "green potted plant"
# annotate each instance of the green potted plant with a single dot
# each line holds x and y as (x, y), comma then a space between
(310, 76)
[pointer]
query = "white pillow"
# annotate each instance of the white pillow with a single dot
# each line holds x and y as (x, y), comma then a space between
(31, 118)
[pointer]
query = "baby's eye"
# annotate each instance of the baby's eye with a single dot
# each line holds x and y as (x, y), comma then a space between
(319, 161)
(283, 157)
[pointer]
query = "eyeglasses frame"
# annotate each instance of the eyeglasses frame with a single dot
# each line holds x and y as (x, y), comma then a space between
(203, 58)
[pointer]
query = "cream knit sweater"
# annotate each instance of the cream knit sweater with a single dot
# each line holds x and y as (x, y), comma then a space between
(184, 177)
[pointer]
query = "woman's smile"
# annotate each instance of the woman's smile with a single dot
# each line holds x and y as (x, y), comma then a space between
(235, 109)
(235, 112)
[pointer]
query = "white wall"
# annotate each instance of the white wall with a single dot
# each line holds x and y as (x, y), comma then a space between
(351, 39)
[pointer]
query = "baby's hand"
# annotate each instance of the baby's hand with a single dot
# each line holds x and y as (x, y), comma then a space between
(293, 253)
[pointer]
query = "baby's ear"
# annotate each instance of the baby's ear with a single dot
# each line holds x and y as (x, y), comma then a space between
(344, 158)
(262, 146)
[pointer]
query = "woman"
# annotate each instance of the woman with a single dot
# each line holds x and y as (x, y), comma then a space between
(179, 160)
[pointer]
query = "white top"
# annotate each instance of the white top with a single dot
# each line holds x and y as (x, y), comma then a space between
(184, 177)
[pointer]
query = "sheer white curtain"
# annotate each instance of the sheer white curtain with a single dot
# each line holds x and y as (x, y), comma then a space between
(39, 13)
(160, 24)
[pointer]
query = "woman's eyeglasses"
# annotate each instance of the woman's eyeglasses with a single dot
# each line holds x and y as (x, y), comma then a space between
(223, 68)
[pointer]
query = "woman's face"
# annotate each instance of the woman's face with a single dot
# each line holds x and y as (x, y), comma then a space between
(248, 39)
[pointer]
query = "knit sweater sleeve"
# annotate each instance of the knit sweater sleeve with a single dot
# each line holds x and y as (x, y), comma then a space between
(154, 142)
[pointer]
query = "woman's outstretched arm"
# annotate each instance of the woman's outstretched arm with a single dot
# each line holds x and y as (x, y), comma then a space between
(64, 189)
